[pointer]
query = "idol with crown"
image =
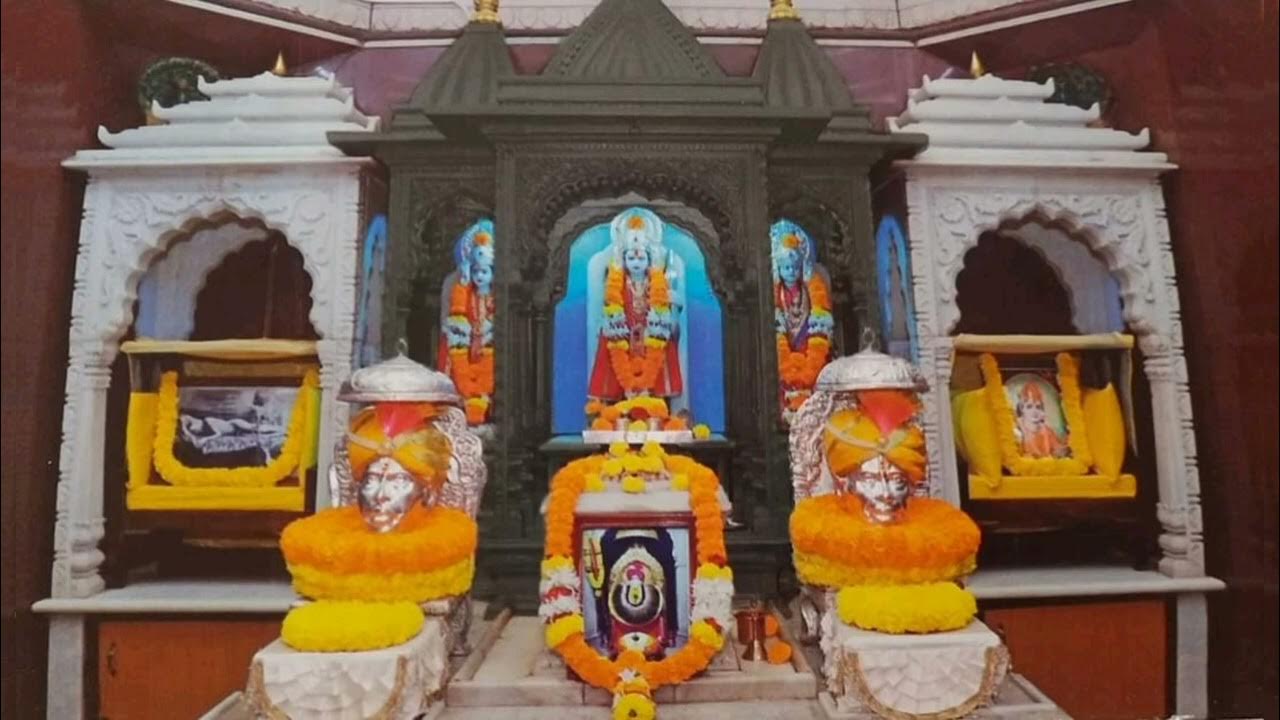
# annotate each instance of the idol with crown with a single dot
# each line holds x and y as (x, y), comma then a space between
(386, 572)
(466, 345)
(802, 314)
(637, 387)
(877, 557)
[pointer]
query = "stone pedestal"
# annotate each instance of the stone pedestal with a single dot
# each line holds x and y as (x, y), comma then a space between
(397, 683)
(939, 676)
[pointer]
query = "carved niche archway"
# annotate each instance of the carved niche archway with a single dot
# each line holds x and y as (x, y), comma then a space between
(1123, 223)
(131, 216)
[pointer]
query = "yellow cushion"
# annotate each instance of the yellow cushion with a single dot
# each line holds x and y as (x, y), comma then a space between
(975, 434)
(1104, 421)
(140, 432)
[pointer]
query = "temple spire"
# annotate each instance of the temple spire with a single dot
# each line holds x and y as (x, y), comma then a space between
(280, 68)
(486, 12)
(976, 70)
(782, 10)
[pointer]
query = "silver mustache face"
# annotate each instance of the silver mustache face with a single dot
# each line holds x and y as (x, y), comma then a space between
(884, 490)
(387, 493)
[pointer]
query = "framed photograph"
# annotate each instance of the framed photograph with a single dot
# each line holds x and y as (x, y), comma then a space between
(232, 427)
(1040, 426)
(637, 576)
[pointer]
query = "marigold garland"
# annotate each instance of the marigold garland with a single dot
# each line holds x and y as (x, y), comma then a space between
(339, 626)
(473, 378)
(334, 554)
(631, 671)
(919, 608)
(1081, 459)
(835, 545)
(288, 461)
(799, 370)
(636, 373)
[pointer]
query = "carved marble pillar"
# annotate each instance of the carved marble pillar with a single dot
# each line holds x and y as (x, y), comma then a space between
(935, 359)
(79, 526)
(1181, 537)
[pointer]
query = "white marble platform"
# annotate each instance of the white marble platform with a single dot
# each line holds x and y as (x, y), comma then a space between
(519, 671)
(275, 596)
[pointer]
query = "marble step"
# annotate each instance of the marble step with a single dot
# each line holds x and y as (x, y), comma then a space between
(768, 710)
(518, 671)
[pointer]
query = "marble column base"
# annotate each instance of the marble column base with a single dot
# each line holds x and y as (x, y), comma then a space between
(939, 676)
(397, 683)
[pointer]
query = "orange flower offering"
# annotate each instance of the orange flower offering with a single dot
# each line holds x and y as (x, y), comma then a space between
(335, 555)
(637, 371)
(799, 369)
(835, 545)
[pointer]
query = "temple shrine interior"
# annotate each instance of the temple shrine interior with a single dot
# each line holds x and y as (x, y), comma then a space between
(640, 358)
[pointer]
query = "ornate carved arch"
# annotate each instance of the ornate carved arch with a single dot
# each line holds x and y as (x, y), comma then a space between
(144, 221)
(552, 285)
(1112, 224)
(560, 199)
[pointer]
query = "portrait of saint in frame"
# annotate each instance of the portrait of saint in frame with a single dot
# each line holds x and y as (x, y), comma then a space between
(1039, 423)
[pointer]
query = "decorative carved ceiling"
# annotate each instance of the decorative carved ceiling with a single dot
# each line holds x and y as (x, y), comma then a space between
(399, 20)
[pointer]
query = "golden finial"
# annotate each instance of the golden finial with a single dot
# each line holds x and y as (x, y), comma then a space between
(280, 68)
(782, 10)
(976, 70)
(486, 12)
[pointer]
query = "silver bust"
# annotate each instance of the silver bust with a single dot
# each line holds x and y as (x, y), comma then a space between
(386, 494)
(400, 379)
(883, 488)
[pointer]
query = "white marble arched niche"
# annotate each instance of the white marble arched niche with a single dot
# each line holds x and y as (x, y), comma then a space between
(1125, 228)
(129, 221)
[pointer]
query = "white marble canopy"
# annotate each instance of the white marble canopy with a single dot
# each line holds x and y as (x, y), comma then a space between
(1000, 156)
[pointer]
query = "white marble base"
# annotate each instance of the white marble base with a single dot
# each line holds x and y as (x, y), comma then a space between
(398, 683)
(938, 675)
(1017, 699)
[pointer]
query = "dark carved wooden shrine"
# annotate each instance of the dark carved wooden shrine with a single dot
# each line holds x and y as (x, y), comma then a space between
(631, 110)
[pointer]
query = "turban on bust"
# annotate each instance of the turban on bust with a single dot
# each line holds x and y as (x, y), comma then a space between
(879, 426)
(403, 432)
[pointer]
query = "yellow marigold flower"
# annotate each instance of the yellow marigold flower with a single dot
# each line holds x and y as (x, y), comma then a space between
(679, 481)
(618, 449)
(613, 309)
(705, 634)
(611, 467)
(921, 608)
(652, 464)
(655, 343)
(594, 483)
(701, 431)
(559, 562)
(633, 463)
(711, 571)
(340, 626)
(633, 484)
(634, 706)
(652, 449)
(563, 629)
(638, 426)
